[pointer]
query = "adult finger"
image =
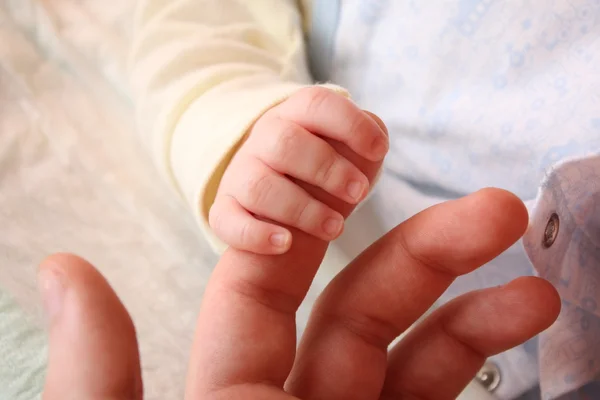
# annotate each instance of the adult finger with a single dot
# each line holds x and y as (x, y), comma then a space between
(470, 329)
(249, 308)
(93, 348)
(333, 116)
(386, 289)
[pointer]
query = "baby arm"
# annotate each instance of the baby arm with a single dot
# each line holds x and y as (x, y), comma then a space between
(214, 77)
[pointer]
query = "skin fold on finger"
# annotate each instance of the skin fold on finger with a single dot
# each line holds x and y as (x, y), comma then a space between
(238, 228)
(270, 195)
(378, 120)
(388, 287)
(363, 164)
(438, 358)
(296, 152)
(328, 114)
(248, 310)
(93, 350)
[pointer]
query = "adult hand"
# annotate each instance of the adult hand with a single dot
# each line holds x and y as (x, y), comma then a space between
(245, 341)
(245, 345)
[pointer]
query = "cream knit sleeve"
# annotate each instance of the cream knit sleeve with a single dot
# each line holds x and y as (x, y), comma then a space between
(202, 71)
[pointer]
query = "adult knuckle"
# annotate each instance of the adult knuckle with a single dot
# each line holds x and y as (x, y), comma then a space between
(276, 299)
(360, 126)
(371, 329)
(412, 251)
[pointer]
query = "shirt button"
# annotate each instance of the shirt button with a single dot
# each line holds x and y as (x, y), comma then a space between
(489, 376)
(551, 231)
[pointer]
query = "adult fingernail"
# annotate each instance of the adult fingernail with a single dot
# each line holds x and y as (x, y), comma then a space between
(355, 190)
(379, 147)
(52, 288)
(279, 239)
(333, 226)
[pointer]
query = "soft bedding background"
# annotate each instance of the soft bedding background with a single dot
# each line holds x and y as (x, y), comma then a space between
(74, 178)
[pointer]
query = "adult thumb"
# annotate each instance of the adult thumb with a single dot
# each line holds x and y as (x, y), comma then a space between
(93, 348)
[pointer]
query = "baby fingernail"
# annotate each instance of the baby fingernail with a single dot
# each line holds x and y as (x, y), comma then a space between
(279, 239)
(355, 190)
(52, 289)
(333, 226)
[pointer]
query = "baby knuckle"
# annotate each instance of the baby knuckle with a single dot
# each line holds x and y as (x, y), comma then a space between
(285, 143)
(359, 126)
(316, 97)
(245, 234)
(325, 168)
(377, 120)
(259, 188)
(299, 212)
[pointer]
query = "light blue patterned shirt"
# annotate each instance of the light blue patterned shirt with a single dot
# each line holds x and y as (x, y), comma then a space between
(481, 93)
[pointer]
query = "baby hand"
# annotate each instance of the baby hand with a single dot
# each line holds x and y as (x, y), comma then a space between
(288, 144)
